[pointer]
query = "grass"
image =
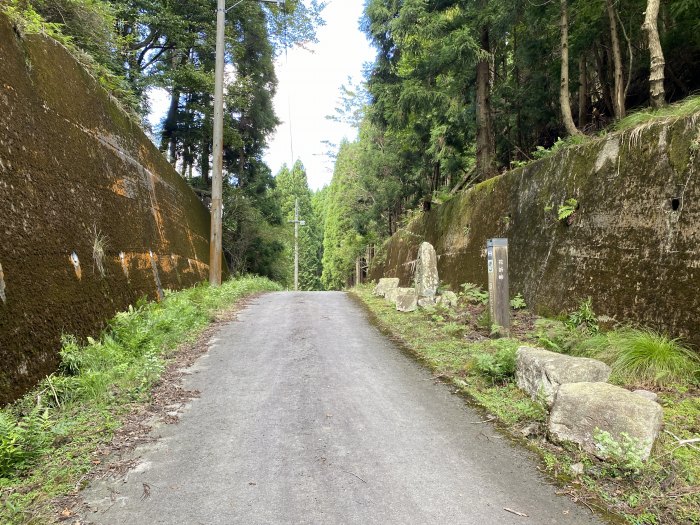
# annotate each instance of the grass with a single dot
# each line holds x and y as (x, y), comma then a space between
(48, 438)
(664, 490)
(685, 108)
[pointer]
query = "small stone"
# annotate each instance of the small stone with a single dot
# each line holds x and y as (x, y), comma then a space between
(646, 394)
(391, 295)
(427, 302)
(530, 430)
(577, 469)
(449, 299)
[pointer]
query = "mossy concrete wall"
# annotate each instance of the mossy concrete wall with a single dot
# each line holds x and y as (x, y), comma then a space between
(633, 244)
(74, 168)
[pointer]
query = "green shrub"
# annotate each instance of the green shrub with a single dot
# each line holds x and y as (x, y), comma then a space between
(584, 318)
(518, 302)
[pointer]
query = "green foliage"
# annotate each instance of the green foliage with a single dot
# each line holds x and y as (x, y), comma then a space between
(584, 318)
(645, 357)
(476, 366)
(560, 144)
(474, 294)
(685, 108)
(497, 363)
(624, 456)
(347, 228)
(567, 209)
(518, 302)
(21, 442)
(292, 186)
(119, 367)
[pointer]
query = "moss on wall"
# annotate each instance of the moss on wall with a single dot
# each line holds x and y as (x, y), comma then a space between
(92, 216)
(633, 244)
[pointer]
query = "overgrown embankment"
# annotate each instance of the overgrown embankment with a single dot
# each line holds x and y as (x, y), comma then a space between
(454, 341)
(104, 397)
(92, 215)
(616, 219)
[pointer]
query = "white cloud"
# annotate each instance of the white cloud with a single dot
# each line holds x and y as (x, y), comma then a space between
(309, 88)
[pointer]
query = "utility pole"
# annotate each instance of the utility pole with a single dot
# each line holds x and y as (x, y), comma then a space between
(297, 223)
(217, 150)
(215, 248)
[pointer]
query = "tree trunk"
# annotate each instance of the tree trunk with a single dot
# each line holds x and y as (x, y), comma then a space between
(582, 92)
(564, 85)
(169, 136)
(485, 139)
(619, 88)
(656, 75)
(602, 69)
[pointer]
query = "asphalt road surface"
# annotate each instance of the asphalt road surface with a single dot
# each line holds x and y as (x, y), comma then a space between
(309, 415)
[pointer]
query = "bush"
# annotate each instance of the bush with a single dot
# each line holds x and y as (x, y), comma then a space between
(584, 318)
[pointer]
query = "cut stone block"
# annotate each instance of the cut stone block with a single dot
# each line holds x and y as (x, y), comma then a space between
(540, 372)
(391, 295)
(426, 276)
(406, 300)
(582, 408)
(385, 285)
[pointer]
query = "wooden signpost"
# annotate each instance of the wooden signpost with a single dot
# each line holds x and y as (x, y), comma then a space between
(499, 298)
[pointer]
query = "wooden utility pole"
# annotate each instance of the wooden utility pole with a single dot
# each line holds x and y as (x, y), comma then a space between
(297, 223)
(215, 244)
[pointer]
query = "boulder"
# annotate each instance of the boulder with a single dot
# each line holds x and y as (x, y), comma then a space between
(539, 372)
(426, 275)
(406, 300)
(580, 409)
(385, 285)
(448, 299)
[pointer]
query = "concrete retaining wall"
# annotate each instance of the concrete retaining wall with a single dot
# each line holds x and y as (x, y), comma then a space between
(77, 178)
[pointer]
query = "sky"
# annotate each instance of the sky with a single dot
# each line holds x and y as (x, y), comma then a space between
(309, 89)
(309, 82)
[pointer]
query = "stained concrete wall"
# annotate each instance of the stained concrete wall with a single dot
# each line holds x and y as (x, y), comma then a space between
(76, 171)
(633, 244)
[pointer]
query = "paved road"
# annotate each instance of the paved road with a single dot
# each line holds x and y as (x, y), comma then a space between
(308, 415)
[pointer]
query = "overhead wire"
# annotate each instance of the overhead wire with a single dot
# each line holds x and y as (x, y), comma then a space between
(289, 91)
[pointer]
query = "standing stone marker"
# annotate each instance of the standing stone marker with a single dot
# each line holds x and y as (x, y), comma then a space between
(426, 276)
(499, 299)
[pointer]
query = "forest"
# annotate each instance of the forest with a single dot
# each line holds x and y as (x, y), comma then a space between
(460, 91)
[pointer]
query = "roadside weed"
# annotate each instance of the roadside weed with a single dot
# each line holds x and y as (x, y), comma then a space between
(48, 438)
